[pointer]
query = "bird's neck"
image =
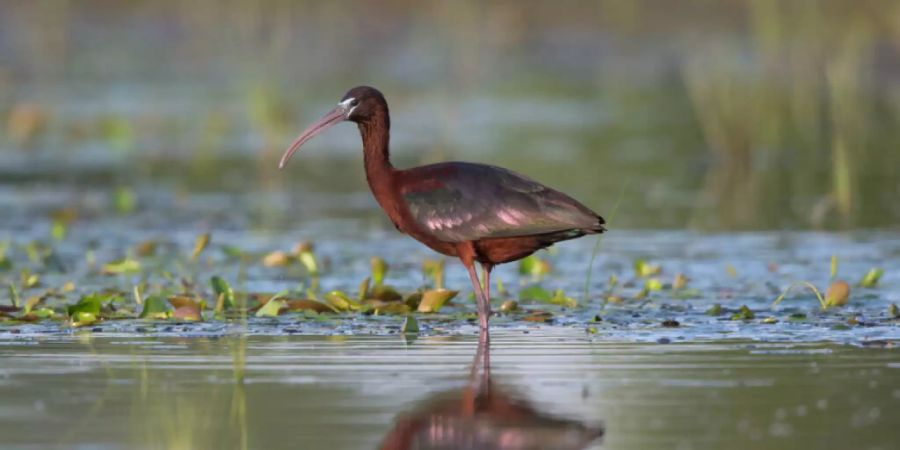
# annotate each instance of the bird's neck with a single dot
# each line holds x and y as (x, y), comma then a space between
(379, 171)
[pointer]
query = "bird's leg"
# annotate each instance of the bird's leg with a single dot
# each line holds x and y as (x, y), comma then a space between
(486, 286)
(484, 308)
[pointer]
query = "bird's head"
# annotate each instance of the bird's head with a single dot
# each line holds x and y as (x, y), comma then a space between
(359, 105)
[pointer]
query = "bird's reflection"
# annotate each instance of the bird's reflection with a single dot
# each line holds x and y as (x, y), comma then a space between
(483, 416)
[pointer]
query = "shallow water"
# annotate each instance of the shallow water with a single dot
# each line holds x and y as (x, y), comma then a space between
(556, 387)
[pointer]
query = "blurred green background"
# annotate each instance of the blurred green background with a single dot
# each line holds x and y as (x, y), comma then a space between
(716, 115)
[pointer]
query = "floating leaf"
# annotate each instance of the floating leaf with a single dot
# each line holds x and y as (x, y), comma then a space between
(535, 293)
(534, 266)
(123, 266)
(653, 284)
(379, 270)
(538, 316)
(837, 294)
(186, 308)
(341, 301)
(410, 325)
(155, 307)
(433, 300)
(273, 307)
(277, 258)
(383, 307)
(223, 290)
(509, 306)
(714, 310)
(770, 320)
(364, 289)
(871, 278)
(199, 245)
(309, 305)
(643, 269)
(560, 298)
(386, 293)
(744, 313)
(434, 269)
(123, 200)
(412, 300)
(305, 255)
(893, 311)
(232, 252)
(85, 312)
(58, 230)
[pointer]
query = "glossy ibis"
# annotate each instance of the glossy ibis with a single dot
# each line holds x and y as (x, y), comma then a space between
(476, 212)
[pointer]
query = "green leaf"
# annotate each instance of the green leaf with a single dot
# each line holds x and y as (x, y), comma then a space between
(232, 252)
(155, 307)
(222, 289)
(308, 259)
(643, 269)
(58, 230)
(31, 303)
(560, 298)
(199, 245)
(410, 325)
(744, 313)
(509, 306)
(714, 310)
(433, 300)
(379, 270)
(341, 301)
(13, 295)
(871, 278)
(386, 293)
(533, 266)
(834, 266)
(124, 266)
(364, 289)
(535, 293)
(653, 284)
(124, 200)
(274, 306)
(434, 269)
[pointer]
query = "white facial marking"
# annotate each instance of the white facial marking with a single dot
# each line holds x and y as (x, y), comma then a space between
(346, 105)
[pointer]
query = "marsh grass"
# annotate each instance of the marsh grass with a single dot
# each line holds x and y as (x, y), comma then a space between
(791, 117)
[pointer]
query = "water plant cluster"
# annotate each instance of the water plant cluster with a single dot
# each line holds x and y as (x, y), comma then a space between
(158, 282)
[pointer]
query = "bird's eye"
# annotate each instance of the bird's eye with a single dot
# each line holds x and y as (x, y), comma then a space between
(354, 102)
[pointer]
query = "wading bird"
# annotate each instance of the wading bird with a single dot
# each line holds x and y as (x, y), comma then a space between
(476, 212)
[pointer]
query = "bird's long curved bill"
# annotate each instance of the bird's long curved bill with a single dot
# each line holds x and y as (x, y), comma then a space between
(334, 116)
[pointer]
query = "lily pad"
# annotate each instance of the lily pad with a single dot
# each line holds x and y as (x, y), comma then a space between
(122, 266)
(837, 294)
(155, 308)
(433, 300)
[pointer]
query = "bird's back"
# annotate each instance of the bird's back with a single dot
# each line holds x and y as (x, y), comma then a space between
(460, 201)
